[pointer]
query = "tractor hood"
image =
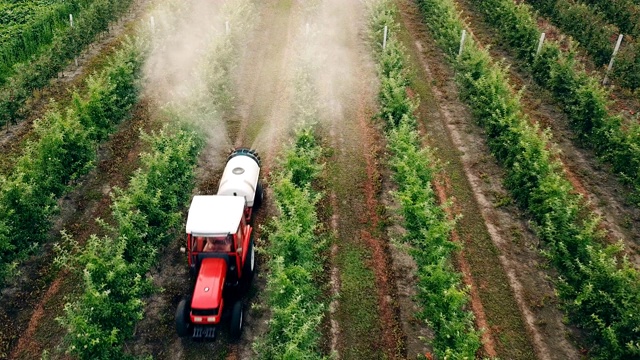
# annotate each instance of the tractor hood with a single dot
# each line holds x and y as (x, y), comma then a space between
(208, 291)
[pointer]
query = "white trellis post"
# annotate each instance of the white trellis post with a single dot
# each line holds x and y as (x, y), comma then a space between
(227, 27)
(152, 24)
(307, 30)
(71, 24)
(615, 51)
(464, 36)
(384, 37)
(540, 42)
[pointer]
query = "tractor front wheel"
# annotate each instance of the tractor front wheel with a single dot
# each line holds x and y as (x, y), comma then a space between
(182, 317)
(236, 321)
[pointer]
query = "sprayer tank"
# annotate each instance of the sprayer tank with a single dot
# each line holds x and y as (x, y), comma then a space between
(240, 178)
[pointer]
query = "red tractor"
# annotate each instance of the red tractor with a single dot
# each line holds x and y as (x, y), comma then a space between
(220, 249)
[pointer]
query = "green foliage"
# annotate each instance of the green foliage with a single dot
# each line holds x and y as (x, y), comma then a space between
(215, 95)
(110, 305)
(294, 259)
(296, 158)
(515, 22)
(305, 105)
(47, 55)
(583, 24)
(440, 290)
(441, 294)
(600, 293)
(626, 69)
(147, 215)
(295, 251)
(63, 149)
(584, 100)
(27, 27)
(446, 27)
(589, 26)
(622, 13)
(220, 62)
(394, 77)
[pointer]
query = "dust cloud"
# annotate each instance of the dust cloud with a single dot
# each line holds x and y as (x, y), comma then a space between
(184, 34)
(340, 57)
(301, 64)
(304, 63)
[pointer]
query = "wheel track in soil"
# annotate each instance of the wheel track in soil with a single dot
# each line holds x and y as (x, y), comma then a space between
(515, 270)
(394, 339)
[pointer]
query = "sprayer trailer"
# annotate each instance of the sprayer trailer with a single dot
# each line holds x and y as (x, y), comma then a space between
(220, 250)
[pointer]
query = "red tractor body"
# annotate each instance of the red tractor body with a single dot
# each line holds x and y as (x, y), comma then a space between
(207, 301)
(220, 249)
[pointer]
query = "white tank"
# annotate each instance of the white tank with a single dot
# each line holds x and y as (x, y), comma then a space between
(240, 178)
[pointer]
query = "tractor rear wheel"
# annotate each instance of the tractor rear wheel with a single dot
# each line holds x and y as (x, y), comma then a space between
(237, 315)
(249, 267)
(182, 317)
(257, 201)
